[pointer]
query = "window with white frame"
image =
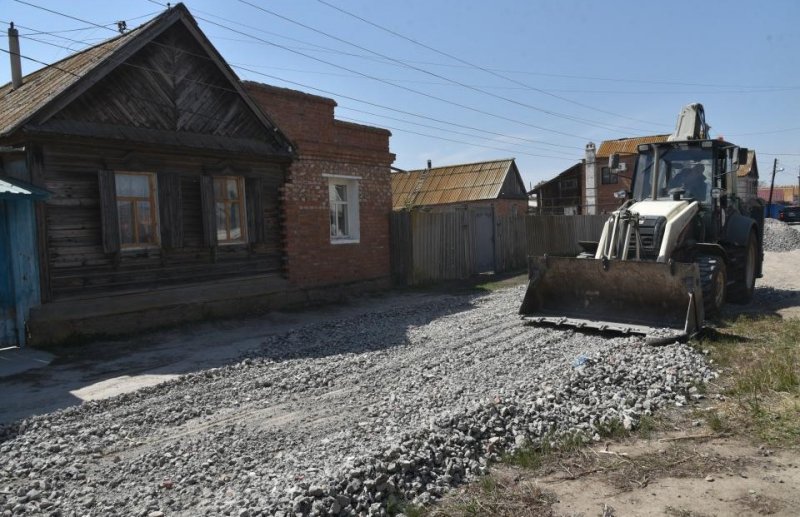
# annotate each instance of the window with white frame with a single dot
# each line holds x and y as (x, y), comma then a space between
(137, 209)
(230, 209)
(344, 216)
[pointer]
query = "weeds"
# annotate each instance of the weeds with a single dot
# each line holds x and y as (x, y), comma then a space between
(762, 359)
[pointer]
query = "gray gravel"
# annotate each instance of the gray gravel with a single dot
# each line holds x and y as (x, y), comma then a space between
(342, 418)
(779, 236)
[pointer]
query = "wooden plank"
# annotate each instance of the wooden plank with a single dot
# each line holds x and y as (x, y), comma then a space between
(170, 206)
(208, 211)
(108, 210)
(35, 167)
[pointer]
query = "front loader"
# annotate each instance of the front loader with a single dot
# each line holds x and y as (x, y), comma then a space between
(682, 243)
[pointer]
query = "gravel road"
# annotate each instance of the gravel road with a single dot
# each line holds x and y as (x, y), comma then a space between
(347, 416)
(341, 418)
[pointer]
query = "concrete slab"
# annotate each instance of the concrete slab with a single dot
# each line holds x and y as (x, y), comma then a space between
(14, 360)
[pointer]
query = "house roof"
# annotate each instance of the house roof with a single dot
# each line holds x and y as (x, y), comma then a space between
(452, 184)
(627, 145)
(42, 86)
(12, 188)
(563, 174)
(749, 166)
(49, 89)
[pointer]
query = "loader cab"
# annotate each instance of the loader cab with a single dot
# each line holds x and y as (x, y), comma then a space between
(677, 170)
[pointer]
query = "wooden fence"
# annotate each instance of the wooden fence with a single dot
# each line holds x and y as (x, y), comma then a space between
(430, 247)
(559, 234)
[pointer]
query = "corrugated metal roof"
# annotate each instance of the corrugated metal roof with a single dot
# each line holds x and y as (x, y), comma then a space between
(42, 86)
(450, 184)
(627, 145)
(12, 188)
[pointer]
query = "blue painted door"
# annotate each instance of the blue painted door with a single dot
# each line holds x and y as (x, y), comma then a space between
(19, 285)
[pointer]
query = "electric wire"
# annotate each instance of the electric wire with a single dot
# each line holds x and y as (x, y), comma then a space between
(444, 78)
(483, 69)
(532, 141)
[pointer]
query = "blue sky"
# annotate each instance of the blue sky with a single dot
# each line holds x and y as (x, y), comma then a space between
(534, 80)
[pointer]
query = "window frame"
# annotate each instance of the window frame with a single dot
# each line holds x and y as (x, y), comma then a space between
(152, 198)
(607, 177)
(353, 213)
(240, 200)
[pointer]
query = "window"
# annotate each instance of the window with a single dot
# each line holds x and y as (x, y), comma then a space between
(608, 177)
(229, 208)
(137, 211)
(343, 196)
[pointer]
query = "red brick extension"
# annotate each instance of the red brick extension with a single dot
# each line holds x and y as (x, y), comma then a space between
(328, 146)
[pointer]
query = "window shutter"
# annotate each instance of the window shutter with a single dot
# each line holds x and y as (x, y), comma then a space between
(209, 211)
(254, 197)
(170, 208)
(108, 211)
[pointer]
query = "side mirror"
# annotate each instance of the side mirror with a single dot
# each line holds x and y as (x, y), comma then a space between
(613, 161)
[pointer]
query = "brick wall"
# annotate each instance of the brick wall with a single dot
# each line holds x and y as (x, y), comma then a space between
(606, 202)
(328, 146)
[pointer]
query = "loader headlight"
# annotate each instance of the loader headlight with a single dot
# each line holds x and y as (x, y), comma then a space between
(716, 192)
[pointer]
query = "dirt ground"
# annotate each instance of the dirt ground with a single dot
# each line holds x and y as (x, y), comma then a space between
(731, 478)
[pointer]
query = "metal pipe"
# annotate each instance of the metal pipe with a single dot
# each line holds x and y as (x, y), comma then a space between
(13, 53)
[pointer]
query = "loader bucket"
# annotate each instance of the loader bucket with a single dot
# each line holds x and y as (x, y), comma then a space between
(660, 301)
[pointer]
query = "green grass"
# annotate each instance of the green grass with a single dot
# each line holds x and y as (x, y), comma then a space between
(760, 358)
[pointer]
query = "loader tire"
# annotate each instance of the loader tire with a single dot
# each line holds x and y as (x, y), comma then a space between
(713, 280)
(743, 273)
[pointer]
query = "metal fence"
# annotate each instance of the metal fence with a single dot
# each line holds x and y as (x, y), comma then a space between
(430, 247)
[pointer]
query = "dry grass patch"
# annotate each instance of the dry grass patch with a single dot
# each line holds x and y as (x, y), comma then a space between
(760, 358)
(504, 493)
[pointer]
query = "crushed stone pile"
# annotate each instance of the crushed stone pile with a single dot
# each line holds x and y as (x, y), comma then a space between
(345, 418)
(779, 236)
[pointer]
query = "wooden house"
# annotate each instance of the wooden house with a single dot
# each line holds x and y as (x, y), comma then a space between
(166, 182)
(562, 194)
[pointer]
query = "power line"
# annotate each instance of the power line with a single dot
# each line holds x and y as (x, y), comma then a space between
(463, 106)
(433, 74)
(406, 121)
(381, 106)
(234, 91)
(461, 141)
(313, 88)
(430, 96)
(472, 65)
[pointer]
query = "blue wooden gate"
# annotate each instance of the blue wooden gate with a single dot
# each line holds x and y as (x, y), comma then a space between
(19, 265)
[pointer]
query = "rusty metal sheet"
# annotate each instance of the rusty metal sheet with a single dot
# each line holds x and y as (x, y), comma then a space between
(627, 145)
(451, 184)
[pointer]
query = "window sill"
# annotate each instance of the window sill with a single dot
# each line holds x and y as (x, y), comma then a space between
(345, 241)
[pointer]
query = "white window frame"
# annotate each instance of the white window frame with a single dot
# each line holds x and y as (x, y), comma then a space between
(351, 183)
(152, 198)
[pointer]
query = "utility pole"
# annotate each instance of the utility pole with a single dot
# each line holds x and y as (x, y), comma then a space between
(772, 186)
(798, 187)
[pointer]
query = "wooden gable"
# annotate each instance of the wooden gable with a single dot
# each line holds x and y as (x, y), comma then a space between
(513, 187)
(167, 86)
